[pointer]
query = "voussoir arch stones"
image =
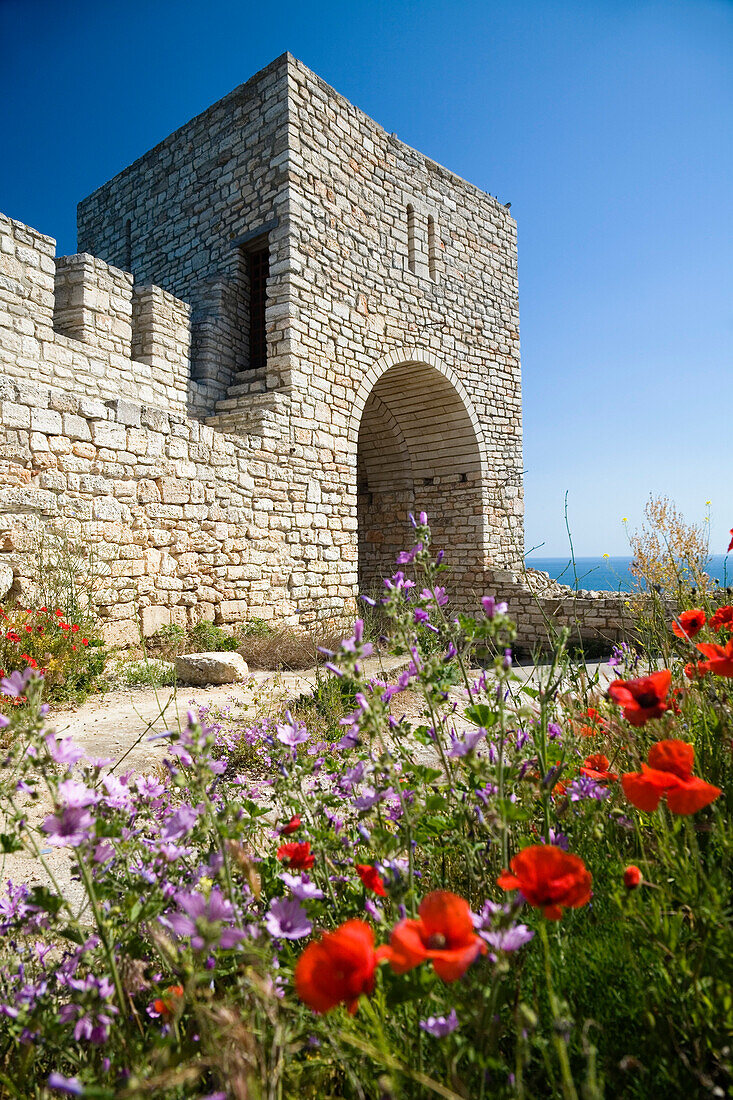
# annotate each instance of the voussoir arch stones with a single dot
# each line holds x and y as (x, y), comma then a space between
(421, 360)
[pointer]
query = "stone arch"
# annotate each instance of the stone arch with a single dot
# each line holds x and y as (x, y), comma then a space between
(419, 446)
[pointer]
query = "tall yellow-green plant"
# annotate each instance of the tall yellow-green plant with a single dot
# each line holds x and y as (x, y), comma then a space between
(670, 554)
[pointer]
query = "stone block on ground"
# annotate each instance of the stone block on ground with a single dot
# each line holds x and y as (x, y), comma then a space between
(211, 668)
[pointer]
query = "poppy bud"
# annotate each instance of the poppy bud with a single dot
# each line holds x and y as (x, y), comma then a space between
(632, 877)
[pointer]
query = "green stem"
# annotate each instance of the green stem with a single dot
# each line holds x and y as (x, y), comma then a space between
(558, 1040)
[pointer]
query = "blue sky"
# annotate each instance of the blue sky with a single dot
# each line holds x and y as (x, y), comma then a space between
(606, 124)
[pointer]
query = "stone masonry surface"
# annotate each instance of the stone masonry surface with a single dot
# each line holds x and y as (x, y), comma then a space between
(133, 419)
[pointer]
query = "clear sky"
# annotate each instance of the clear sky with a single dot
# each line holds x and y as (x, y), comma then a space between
(608, 124)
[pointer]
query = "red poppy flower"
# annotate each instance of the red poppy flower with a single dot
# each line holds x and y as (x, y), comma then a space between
(371, 878)
(596, 767)
(695, 671)
(644, 698)
(632, 877)
(668, 771)
(297, 855)
(549, 878)
(292, 826)
(338, 968)
(167, 1005)
(722, 619)
(719, 658)
(730, 544)
(75, 628)
(689, 623)
(443, 933)
(85, 641)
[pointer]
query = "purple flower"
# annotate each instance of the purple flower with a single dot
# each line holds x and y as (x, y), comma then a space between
(584, 788)
(70, 1086)
(292, 734)
(351, 645)
(149, 787)
(491, 607)
(420, 615)
(350, 740)
(559, 840)
(507, 662)
(63, 750)
(4, 721)
(407, 557)
(75, 794)
(71, 827)
(118, 794)
(509, 939)
(103, 852)
(440, 1026)
(180, 823)
(16, 682)
(468, 744)
(369, 797)
(287, 919)
(202, 918)
(301, 887)
(554, 733)
(437, 594)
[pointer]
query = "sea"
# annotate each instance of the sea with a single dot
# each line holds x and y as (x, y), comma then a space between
(608, 574)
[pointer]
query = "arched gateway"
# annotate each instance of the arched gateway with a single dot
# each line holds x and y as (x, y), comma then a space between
(419, 447)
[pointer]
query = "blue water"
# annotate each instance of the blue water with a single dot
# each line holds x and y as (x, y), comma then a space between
(612, 574)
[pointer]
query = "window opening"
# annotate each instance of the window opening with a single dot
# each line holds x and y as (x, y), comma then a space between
(432, 249)
(258, 270)
(411, 243)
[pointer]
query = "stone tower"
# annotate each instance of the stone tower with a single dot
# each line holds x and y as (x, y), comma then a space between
(318, 326)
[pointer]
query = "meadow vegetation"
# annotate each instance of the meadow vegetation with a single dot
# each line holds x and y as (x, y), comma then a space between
(522, 891)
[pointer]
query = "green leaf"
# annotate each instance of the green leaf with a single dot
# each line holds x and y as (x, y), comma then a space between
(9, 843)
(481, 714)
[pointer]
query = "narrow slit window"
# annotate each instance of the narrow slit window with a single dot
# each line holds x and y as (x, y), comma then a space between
(411, 242)
(432, 249)
(258, 265)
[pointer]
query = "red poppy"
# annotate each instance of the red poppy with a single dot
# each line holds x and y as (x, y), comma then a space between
(338, 968)
(644, 698)
(668, 771)
(297, 855)
(292, 826)
(722, 619)
(719, 658)
(549, 878)
(632, 877)
(85, 641)
(167, 1005)
(443, 933)
(75, 628)
(695, 671)
(730, 544)
(689, 623)
(371, 878)
(596, 767)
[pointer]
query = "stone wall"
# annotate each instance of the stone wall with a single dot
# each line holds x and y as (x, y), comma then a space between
(132, 418)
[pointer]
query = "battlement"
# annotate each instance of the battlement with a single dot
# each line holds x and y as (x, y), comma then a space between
(79, 323)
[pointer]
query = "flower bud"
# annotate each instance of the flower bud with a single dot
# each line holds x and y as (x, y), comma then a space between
(632, 877)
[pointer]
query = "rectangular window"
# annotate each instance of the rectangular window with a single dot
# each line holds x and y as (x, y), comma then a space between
(432, 249)
(258, 270)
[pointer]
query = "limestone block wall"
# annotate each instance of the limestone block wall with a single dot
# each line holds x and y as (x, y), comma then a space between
(179, 216)
(131, 416)
(404, 334)
(75, 323)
